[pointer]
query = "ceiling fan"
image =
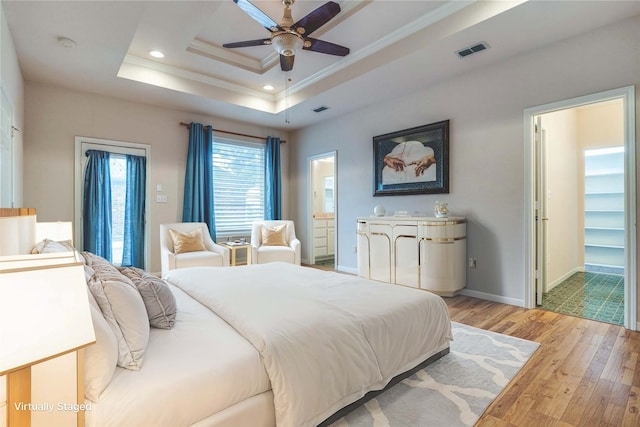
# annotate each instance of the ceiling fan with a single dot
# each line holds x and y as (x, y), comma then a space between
(287, 37)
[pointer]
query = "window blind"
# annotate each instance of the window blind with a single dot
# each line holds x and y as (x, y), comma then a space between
(238, 186)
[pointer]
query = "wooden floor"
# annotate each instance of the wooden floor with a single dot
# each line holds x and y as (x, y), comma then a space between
(585, 373)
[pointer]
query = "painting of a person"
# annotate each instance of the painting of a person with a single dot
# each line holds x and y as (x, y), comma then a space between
(409, 161)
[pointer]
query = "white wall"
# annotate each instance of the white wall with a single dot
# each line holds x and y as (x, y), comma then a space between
(487, 155)
(13, 85)
(56, 115)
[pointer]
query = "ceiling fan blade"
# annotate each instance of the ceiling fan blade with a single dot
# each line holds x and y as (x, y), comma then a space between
(259, 16)
(326, 47)
(248, 43)
(286, 62)
(317, 18)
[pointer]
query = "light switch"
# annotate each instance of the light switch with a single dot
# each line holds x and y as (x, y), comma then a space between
(158, 187)
(162, 198)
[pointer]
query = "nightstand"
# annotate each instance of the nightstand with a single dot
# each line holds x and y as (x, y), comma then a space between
(233, 247)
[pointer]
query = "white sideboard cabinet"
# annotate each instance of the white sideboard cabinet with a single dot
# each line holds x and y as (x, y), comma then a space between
(420, 252)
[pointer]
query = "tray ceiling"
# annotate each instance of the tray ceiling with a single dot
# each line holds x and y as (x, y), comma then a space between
(396, 47)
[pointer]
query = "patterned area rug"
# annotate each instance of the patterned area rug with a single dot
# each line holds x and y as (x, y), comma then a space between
(453, 391)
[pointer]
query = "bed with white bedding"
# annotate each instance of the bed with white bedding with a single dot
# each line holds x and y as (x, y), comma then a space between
(272, 344)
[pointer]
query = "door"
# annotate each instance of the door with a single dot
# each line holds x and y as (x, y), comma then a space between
(405, 242)
(541, 212)
(6, 152)
(126, 234)
(323, 210)
(380, 241)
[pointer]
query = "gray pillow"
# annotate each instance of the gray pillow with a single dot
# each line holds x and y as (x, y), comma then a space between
(156, 295)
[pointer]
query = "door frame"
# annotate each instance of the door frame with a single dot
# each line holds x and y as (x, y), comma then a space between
(83, 143)
(627, 94)
(310, 160)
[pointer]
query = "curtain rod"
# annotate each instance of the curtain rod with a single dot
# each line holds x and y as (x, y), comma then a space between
(187, 125)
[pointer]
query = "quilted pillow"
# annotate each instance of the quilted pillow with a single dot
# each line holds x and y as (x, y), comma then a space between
(187, 242)
(156, 295)
(274, 236)
(122, 308)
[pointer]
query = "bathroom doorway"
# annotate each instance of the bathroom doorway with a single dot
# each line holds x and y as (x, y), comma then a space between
(322, 224)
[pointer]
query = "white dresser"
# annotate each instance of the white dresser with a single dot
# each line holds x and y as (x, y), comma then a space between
(323, 238)
(421, 252)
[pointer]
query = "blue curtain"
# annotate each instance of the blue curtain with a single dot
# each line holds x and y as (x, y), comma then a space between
(273, 196)
(96, 208)
(198, 181)
(133, 250)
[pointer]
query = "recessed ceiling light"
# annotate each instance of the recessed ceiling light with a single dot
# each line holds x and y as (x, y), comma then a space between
(66, 42)
(268, 87)
(156, 54)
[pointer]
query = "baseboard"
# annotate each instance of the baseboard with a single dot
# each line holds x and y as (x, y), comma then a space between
(492, 297)
(349, 270)
(562, 278)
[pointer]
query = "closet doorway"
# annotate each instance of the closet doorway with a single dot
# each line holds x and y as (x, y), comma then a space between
(582, 211)
(323, 209)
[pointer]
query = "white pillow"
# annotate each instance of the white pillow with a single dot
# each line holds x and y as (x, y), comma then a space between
(122, 308)
(48, 246)
(100, 359)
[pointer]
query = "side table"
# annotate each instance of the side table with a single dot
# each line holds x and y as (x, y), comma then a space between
(233, 247)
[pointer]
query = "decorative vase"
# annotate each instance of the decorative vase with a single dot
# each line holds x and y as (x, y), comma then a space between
(441, 210)
(379, 210)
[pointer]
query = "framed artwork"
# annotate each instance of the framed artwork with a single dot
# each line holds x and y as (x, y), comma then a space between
(412, 161)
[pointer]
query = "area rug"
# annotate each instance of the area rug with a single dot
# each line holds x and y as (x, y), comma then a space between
(453, 391)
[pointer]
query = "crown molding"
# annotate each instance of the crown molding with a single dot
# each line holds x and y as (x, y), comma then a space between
(230, 57)
(147, 64)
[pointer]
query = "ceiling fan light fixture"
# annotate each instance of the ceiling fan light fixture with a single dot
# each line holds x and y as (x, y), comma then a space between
(287, 43)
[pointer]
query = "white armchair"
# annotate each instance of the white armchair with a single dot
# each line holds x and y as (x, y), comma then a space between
(288, 251)
(214, 255)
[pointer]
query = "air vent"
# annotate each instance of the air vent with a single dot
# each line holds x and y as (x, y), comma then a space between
(320, 109)
(473, 49)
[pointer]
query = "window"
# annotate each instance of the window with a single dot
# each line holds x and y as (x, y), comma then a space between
(118, 169)
(238, 186)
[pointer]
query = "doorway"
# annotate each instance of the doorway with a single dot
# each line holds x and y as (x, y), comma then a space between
(113, 178)
(581, 213)
(322, 207)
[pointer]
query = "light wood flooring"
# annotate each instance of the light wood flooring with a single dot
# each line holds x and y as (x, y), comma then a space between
(585, 373)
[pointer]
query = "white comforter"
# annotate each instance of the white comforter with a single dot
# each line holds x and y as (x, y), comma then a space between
(325, 338)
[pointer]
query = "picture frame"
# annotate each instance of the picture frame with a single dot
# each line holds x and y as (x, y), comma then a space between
(412, 161)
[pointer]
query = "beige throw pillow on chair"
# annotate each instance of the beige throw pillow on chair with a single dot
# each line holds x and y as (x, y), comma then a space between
(187, 242)
(274, 236)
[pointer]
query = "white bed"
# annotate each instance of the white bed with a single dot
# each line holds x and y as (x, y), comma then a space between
(272, 344)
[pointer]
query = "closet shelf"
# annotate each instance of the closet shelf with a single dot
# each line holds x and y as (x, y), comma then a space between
(593, 245)
(604, 173)
(604, 193)
(604, 228)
